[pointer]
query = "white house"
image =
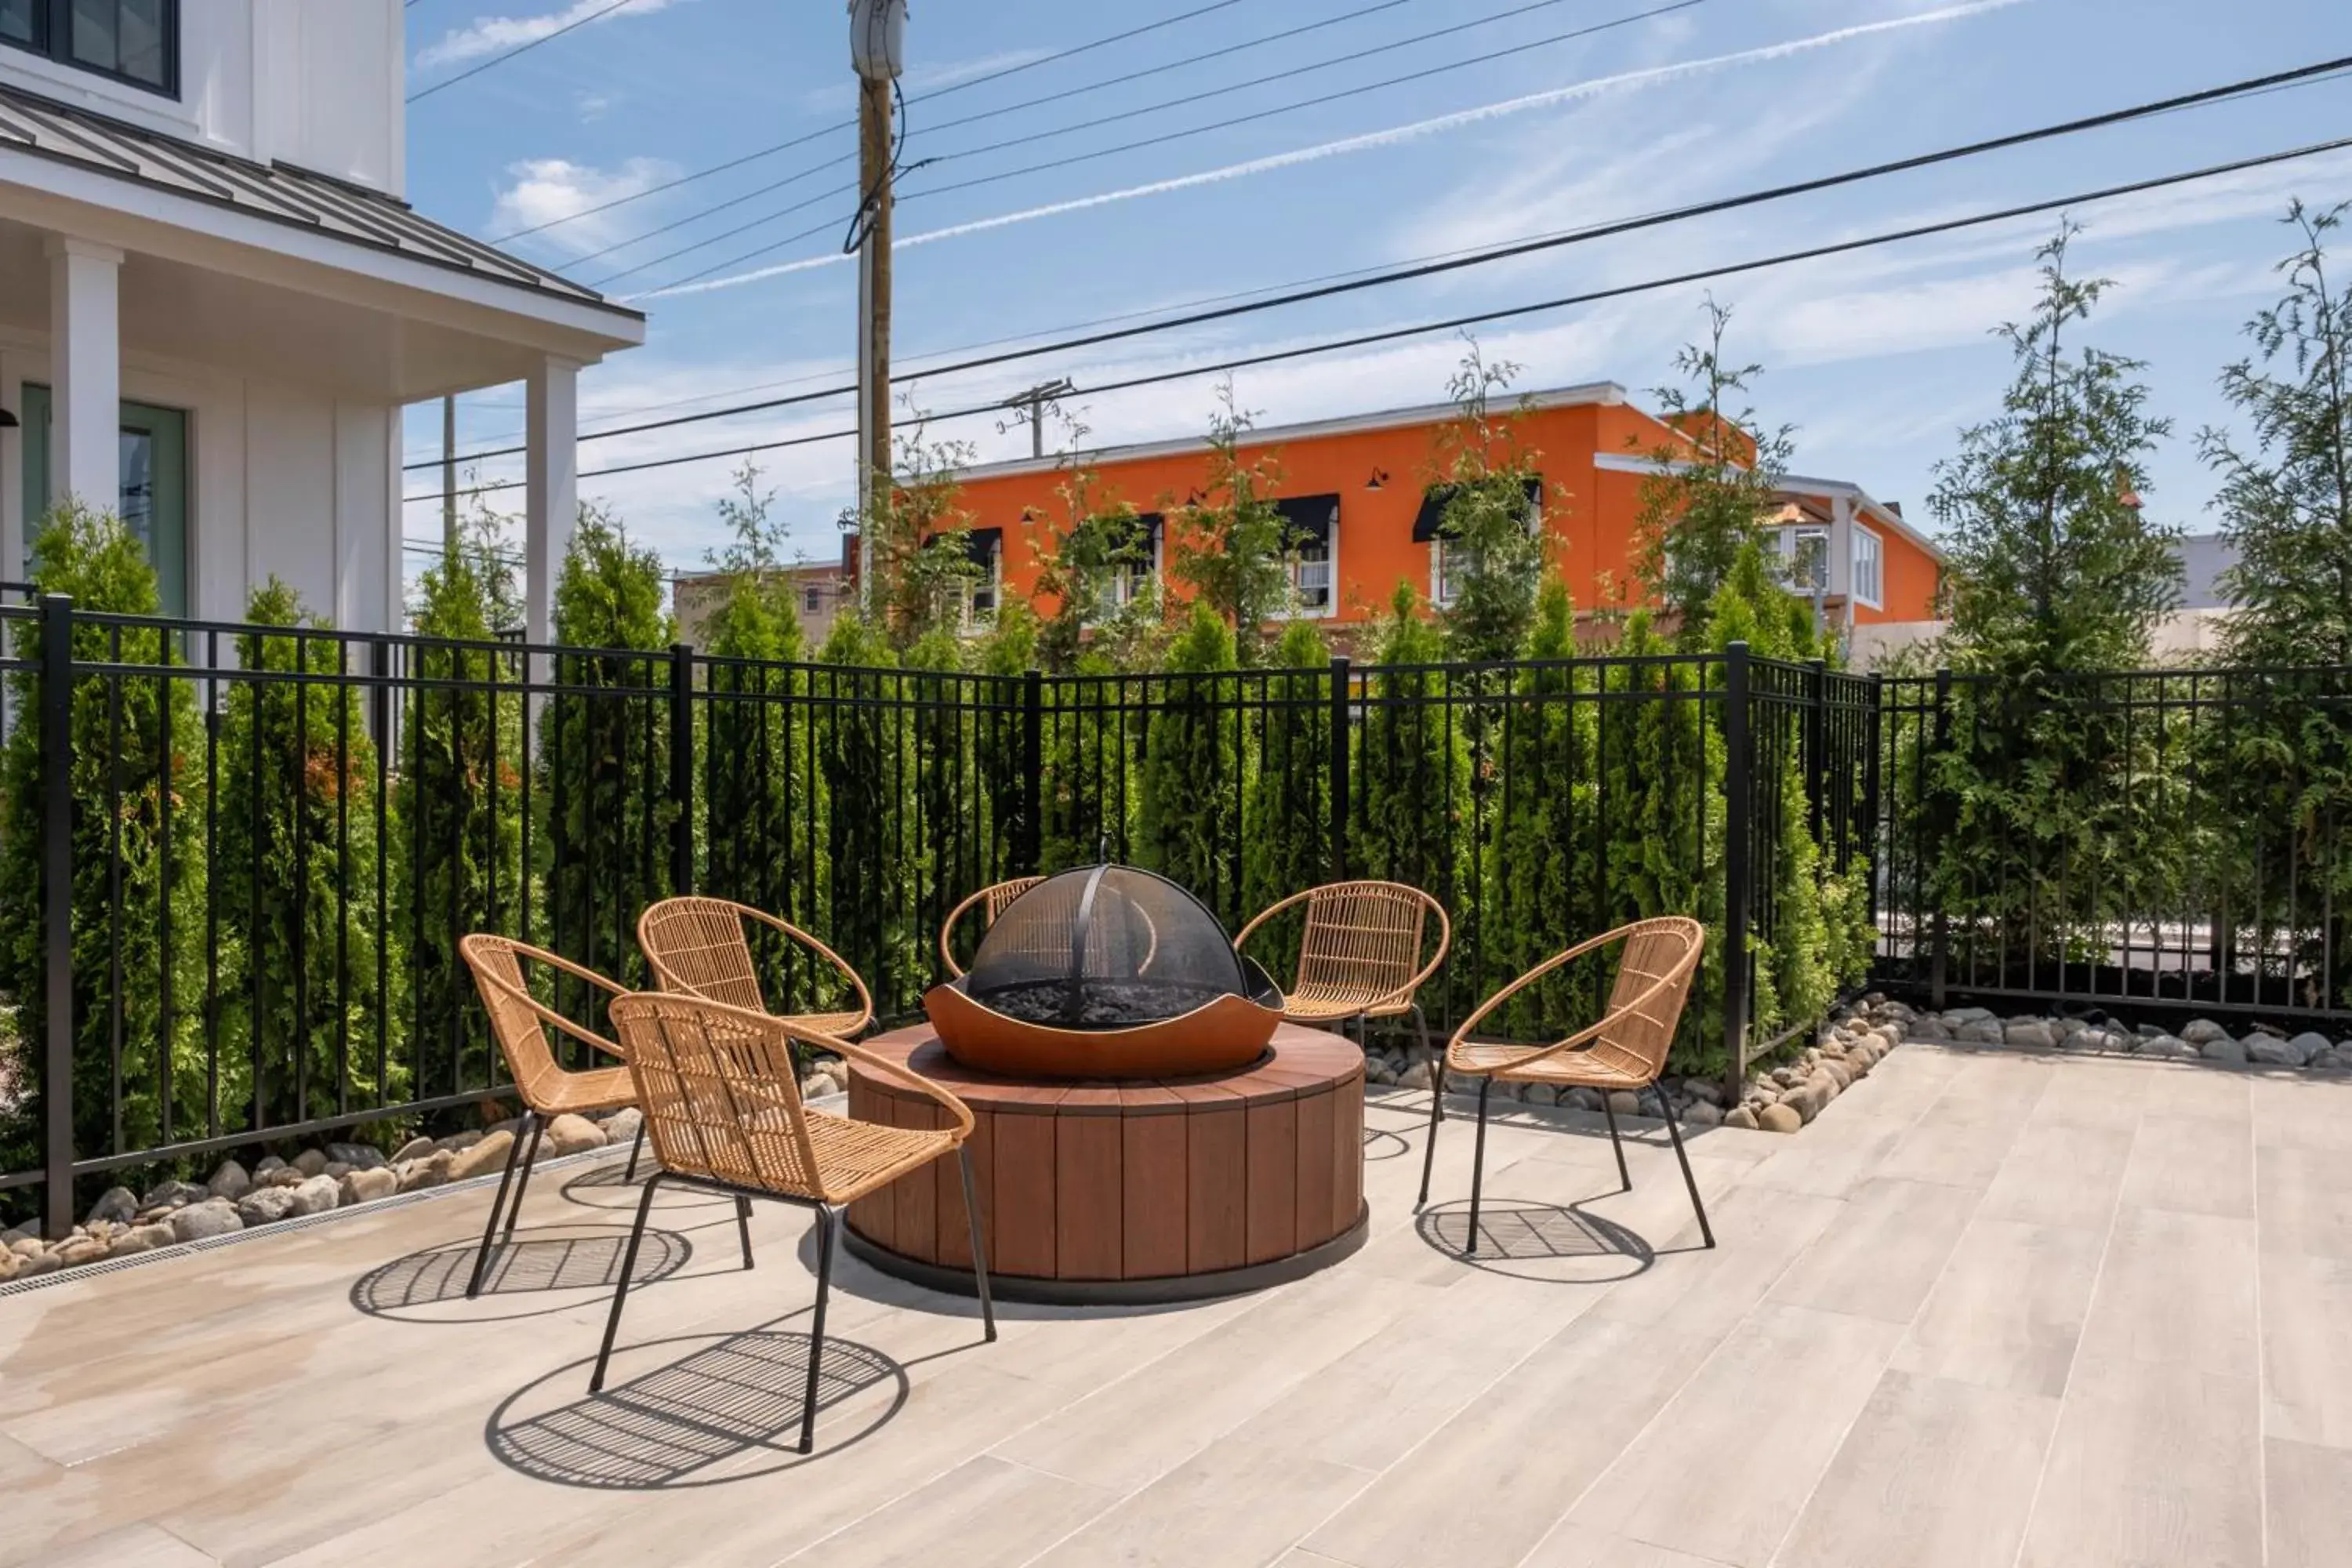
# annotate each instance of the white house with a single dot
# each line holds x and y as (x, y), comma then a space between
(214, 301)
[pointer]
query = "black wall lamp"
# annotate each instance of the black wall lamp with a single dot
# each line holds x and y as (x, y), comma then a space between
(1380, 478)
(7, 420)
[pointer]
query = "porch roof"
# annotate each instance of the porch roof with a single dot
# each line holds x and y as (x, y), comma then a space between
(279, 192)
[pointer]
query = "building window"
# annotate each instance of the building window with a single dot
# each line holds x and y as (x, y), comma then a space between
(137, 41)
(1135, 576)
(1450, 565)
(811, 599)
(1803, 558)
(1869, 568)
(1310, 576)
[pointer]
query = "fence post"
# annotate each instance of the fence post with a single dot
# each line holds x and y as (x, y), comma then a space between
(56, 913)
(1939, 971)
(1817, 714)
(681, 767)
(1736, 888)
(1033, 770)
(1873, 815)
(1338, 829)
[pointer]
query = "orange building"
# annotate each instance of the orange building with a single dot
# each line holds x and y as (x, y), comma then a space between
(1359, 490)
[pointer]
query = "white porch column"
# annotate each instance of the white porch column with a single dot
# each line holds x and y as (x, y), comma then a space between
(552, 479)
(86, 368)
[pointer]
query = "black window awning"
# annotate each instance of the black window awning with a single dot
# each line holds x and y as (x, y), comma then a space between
(1435, 499)
(1312, 517)
(1142, 534)
(983, 546)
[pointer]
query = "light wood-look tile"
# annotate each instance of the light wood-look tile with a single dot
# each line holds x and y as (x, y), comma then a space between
(1935, 1474)
(2307, 1349)
(2060, 1174)
(2306, 1202)
(133, 1546)
(1573, 1546)
(1760, 1421)
(985, 1513)
(1236, 1502)
(1885, 1254)
(2310, 1504)
(2198, 1164)
(2151, 1465)
(2007, 1311)
(2177, 1292)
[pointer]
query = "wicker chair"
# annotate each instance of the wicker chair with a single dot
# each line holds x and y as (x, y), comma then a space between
(520, 1021)
(724, 1107)
(1626, 1049)
(1360, 955)
(991, 901)
(697, 946)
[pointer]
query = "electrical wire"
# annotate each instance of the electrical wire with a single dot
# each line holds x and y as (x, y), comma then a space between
(1454, 323)
(737, 163)
(519, 48)
(1002, 110)
(1486, 256)
(1186, 133)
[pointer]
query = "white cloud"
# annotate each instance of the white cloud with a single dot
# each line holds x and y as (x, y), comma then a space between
(552, 190)
(495, 35)
(1391, 136)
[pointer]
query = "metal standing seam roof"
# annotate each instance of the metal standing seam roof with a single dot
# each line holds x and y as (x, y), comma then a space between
(277, 192)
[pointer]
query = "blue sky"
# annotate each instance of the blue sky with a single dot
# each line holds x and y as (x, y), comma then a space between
(1877, 358)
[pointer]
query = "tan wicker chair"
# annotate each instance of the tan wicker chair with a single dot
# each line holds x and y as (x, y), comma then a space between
(1626, 1049)
(1360, 955)
(992, 900)
(519, 1023)
(696, 945)
(724, 1107)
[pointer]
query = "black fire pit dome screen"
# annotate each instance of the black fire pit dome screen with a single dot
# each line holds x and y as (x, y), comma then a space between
(1104, 947)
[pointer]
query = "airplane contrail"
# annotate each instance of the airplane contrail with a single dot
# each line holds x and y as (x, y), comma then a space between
(1596, 85)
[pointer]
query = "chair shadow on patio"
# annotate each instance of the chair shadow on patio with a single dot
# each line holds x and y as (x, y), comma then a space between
(1519, 1236)
(603, 1186)
(549, 1268)
(695, 1411)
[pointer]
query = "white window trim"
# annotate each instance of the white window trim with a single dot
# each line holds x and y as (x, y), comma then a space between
(1438, 597)
(1853, 576)
(1292, 611)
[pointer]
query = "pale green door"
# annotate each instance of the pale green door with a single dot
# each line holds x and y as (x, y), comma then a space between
(153, 501)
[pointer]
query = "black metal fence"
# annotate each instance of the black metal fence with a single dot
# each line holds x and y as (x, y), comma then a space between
(245, 855)
(2167, 839)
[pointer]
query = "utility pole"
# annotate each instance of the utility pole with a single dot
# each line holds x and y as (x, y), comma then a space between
(1035, 401)
(877, 31)
(448, 474)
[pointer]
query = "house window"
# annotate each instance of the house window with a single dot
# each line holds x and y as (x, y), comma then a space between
(1869, 568)
(1804, 558)
(137, 41)
(1134, 577)
(811, 599)
(1310, 551)
(1450, 564)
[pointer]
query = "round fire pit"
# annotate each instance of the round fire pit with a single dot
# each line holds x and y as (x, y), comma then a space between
(1107, 972)
(1139, 1189)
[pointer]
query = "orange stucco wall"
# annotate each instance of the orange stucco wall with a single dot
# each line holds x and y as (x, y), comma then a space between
(1589, 512)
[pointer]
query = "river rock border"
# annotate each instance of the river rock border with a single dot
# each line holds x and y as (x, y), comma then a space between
(319, 1179)
(2200, 1039)
(1778, 1096)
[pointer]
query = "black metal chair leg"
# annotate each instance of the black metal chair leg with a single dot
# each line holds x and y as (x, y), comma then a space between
(1477, 1168)
(1624, 1176)
(1436, 1115)
(1674, 1132)
(826, 1224)
(490, 1230)
(621, 1289)
(979, 1258)
(1429, 1056)
(531, 1158)
(635, 1147)
(744, 1227)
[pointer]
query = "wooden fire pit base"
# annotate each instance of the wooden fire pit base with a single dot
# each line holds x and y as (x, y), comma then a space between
(1160, 1190)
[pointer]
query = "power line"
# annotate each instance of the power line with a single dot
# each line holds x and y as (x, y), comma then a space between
(806, 137)
(1452, 323)
(1079, 91)
(519, 49)
(1436, 266)
(1170, 136)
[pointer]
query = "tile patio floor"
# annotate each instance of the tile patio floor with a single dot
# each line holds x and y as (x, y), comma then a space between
(1990, 1309)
